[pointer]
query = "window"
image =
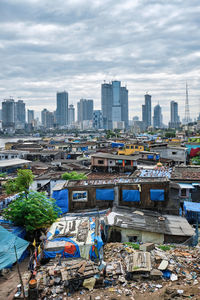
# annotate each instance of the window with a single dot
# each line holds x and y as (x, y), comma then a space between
(132, 239)
(80, 196)
(174, 152)
(39, 185)
(136, 147)
(100, 162)
(111, 161)
(127, 147)
(183, 192)
(132, 147)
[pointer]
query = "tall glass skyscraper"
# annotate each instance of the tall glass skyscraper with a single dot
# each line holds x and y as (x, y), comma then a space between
(62, 108)
(157, 118)
(174, 117)
(146, 110)
(114, 104)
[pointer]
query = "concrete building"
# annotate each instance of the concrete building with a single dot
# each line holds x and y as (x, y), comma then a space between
(97, 119)
(146, 111)
(174, 117)
(30, 114)
(20, 114)
(8, 114)
(177, 154)
(157, 118)
(85, 110)
(47, 118)
(71, 114)
(114, 104)
(62, 109)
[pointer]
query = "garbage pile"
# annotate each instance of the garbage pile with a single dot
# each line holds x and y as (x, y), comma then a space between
(127, 269)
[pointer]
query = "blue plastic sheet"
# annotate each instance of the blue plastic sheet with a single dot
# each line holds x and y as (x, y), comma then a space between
(52, 254)
(131, 195)
(105, 194)
(117, 145)
(7, 251)
(16, 230)
(157, 195)
(61, 198)
(192, 211)
(149, 156)
(95, 249)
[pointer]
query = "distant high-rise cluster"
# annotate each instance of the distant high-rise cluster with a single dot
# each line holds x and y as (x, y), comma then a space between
(13, 114)
(114, 105)
(114, 113)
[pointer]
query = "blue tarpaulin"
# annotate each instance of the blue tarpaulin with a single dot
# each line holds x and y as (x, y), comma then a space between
(70, 249)
(16, 230)
(192, 211)
(131, 195)
(7, 251)
(149, 156)
(84, 148)
(105, 194)
(157, 195)
(61, 198)
(95, 252)
(117, 145)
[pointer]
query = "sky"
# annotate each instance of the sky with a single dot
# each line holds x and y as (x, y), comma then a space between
(74, 45)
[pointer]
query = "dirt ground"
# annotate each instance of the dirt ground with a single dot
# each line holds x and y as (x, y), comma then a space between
(9, 281)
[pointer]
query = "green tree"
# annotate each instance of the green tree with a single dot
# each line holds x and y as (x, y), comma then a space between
(170, 134)
(34, 211)
(21, 183)
(73, 176)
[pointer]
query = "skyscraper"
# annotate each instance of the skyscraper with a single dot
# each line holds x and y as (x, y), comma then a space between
(30, 116)
(157, 118)
(84, 110)
(146, 110)
(8, 114)
(71, 114)
(97, 119)
(47, 118)
(174, 117)
(62, 108)
(20, 114)
(114, 104)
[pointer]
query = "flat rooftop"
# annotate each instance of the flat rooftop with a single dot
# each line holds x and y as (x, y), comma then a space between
(13, 162)
(113, 156)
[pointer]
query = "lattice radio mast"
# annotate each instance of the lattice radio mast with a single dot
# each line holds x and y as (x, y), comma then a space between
(187, 109)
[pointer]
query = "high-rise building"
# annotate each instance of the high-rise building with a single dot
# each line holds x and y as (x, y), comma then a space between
(84, 110)
(174, 117)
(157, 118)
(97, 119)
(30, 116)
(114, 104)
(146, 111)
(8, 114)
(71, 114)
(47, 118)
(20, 114)
(62, 108)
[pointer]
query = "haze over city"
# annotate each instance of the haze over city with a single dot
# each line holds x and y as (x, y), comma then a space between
(150, 46)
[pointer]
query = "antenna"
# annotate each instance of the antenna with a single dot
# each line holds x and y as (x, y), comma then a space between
(187, 110)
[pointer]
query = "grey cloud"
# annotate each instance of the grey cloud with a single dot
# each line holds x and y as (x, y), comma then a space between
(75, 45)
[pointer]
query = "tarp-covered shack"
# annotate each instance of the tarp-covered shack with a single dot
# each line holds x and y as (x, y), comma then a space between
(74, 236)
(8, 243)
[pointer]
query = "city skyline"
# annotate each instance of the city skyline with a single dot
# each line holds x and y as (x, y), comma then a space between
(154, 52)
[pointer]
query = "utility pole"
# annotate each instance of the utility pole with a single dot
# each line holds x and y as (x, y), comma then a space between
(20, 277)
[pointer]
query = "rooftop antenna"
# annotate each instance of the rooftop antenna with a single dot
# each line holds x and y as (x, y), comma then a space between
(187, 110)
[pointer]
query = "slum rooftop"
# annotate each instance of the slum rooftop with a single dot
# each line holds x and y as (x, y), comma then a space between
(114, 181)
(112, 156)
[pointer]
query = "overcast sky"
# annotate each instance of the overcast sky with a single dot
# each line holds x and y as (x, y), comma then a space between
(74, 45)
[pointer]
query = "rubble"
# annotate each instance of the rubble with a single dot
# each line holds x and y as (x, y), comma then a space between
(124, 271)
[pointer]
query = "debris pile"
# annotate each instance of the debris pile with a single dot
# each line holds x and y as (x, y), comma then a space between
(126, 270)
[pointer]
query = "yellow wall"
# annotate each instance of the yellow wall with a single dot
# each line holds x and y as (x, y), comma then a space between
(130, 149)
